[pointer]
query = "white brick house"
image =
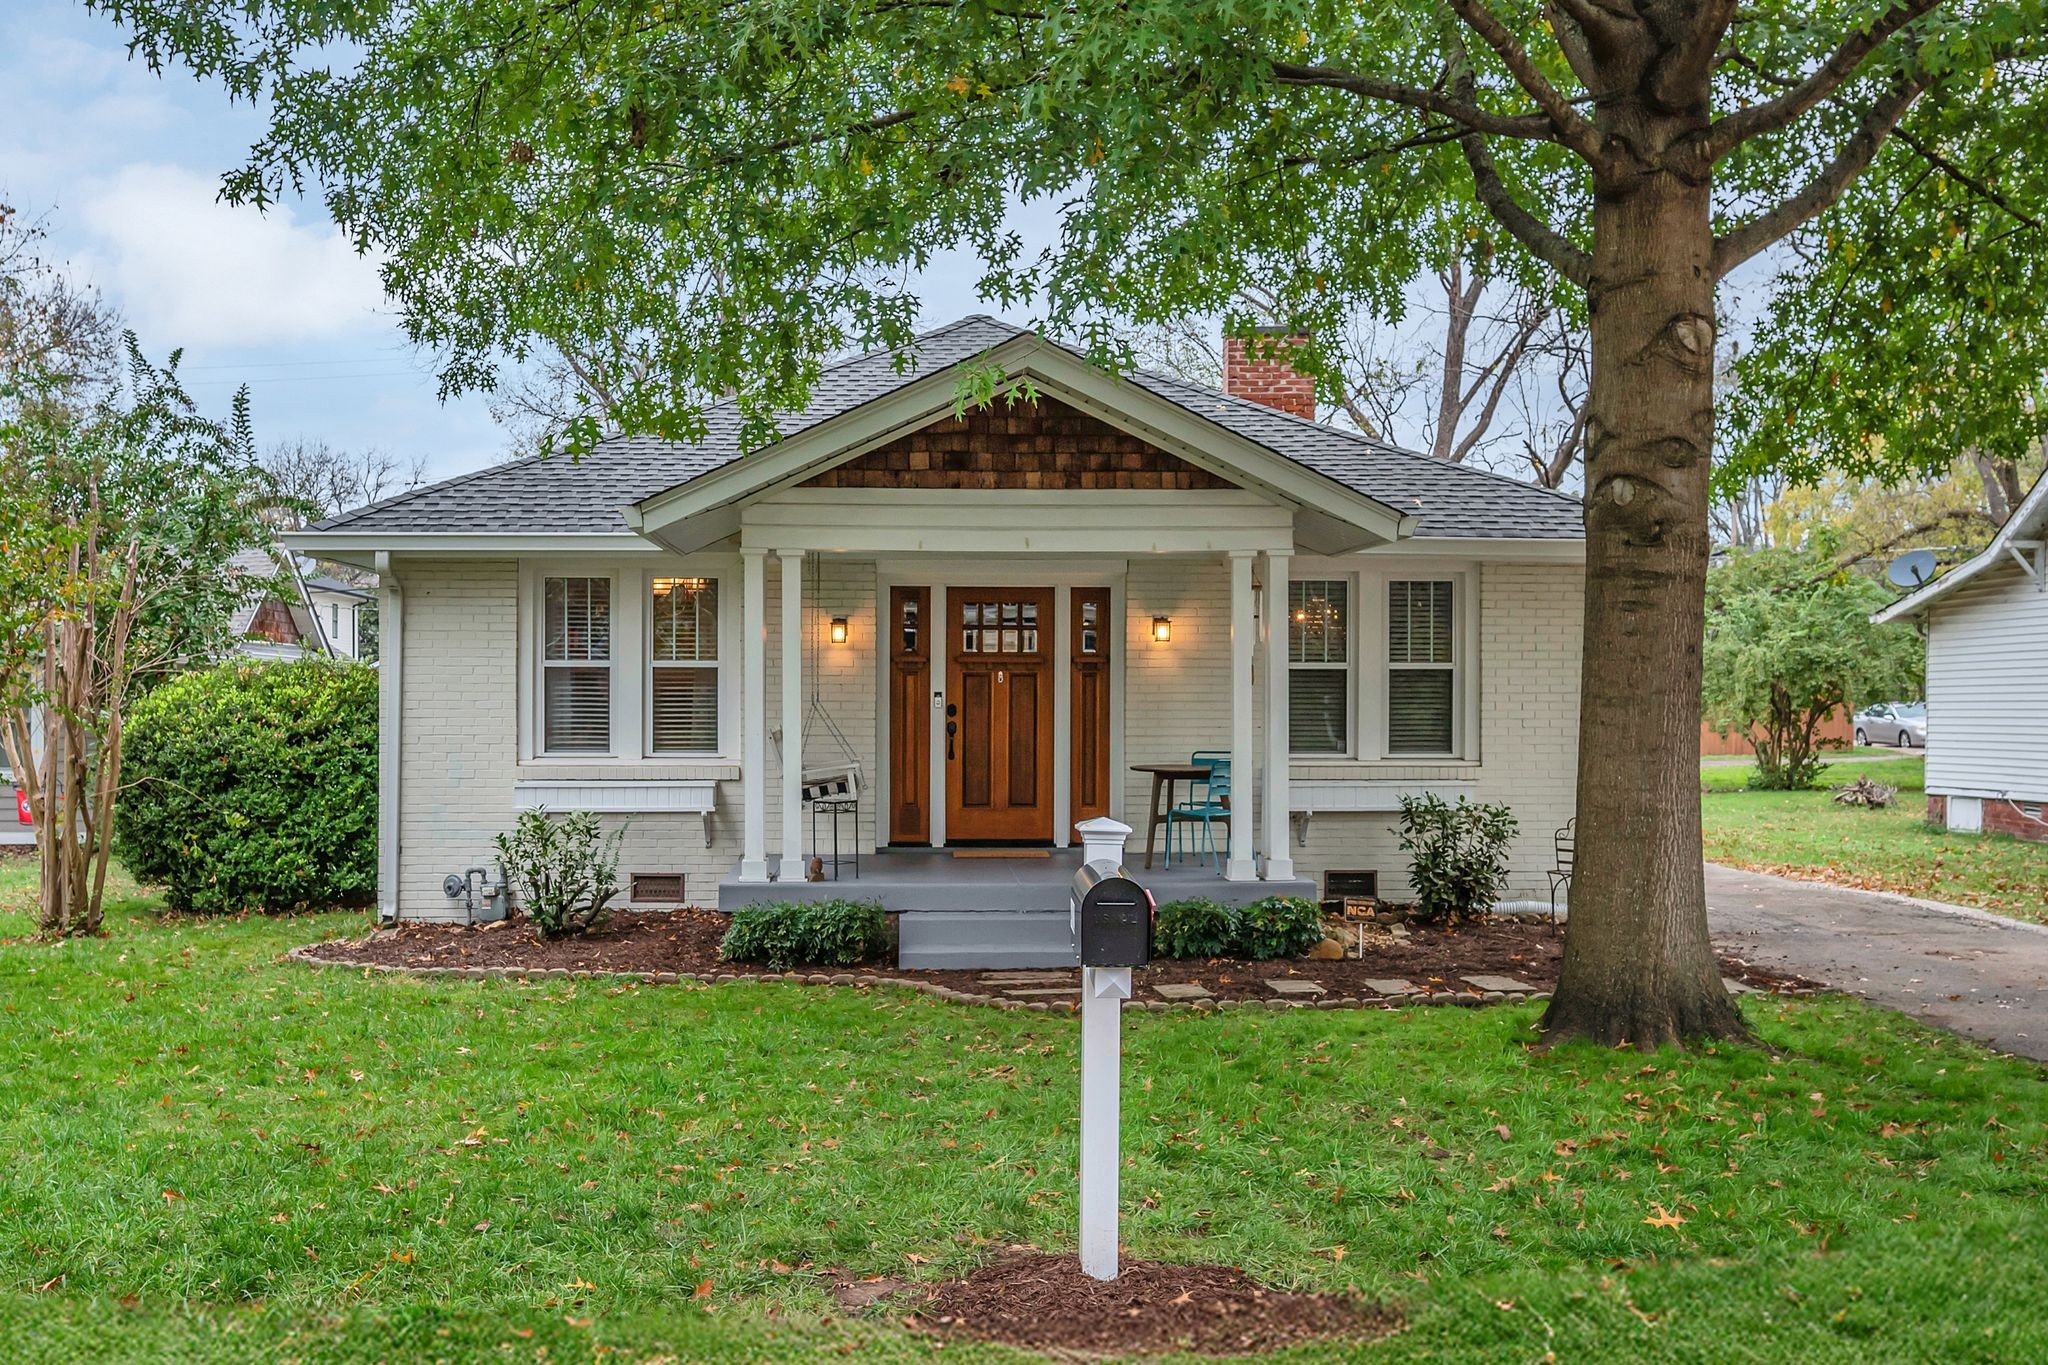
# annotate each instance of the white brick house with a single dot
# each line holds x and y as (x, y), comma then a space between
(1002, 614)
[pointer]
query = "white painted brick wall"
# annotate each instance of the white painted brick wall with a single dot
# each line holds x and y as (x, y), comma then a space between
(461, 693)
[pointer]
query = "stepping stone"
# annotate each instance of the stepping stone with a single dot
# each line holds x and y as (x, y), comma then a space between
(1068, 991)
(1392, 985)
(1504, 984)
(1025, 978)
(1291, 986)
(1182, 990)
(1736, 987)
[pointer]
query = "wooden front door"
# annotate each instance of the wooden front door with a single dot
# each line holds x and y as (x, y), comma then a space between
(908, 631)
(998, 723)
(1091, 645)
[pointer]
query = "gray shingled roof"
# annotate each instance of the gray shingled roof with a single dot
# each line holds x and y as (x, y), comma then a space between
(553, 494)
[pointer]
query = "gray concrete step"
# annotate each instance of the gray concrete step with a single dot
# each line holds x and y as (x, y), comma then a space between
(955, 939)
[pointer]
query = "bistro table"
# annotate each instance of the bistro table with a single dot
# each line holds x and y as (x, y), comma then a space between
(1164, 776)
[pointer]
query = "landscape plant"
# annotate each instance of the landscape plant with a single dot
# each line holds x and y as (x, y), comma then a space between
(786, 934)
(1789, 643)
(1279, 926)
(564, 870)
(253, 785)
(1458, 859)
(1198, 927)
(741, 190)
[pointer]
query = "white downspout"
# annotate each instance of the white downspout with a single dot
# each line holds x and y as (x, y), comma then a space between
(390, 710)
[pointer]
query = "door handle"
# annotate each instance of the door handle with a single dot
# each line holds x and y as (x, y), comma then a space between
(952, 726)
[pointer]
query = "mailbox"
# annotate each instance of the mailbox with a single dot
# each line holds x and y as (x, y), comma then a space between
(1112, 917)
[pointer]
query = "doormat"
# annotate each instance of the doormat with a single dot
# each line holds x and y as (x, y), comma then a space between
(1001, 853)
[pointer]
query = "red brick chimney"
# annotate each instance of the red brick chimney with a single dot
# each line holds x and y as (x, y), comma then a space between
(1271, 380)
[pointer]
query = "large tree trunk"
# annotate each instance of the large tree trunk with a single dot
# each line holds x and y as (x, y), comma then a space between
(1638, 967)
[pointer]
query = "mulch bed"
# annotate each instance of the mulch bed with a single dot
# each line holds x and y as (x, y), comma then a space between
(1044, 1302)
(683, 944)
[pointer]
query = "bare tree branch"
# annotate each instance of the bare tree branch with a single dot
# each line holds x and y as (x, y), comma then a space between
(1573, 129)
(1726, 134)
(1738, 245)
(1464, 111)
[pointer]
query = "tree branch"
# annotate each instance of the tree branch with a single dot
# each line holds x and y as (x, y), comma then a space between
(1574, 129)
(1467, 112)
(1982, 189)
(1726, 134)
(1739, 244)
(1544, 242)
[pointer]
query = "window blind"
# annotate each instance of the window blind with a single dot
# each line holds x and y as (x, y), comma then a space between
(683, 662)
(576, 675)
(1421, 657)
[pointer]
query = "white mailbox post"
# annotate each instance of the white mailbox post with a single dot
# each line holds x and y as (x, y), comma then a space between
(1107, 907)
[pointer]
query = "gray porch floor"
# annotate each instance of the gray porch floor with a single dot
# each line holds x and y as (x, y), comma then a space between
(991, 912)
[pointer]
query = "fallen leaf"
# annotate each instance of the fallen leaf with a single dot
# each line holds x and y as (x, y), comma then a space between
(1663, 1219)
(703, 1290)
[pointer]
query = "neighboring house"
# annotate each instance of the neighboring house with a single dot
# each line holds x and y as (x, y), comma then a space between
(1000, 613)
(1987, 680)
(320, 615)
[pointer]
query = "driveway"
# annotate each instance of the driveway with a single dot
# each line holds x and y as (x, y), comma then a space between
(1964, 970)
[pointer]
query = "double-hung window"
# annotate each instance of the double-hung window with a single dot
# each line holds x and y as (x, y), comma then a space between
(1319, 666)
(682, 685)
(1422, 665)
(576, 665)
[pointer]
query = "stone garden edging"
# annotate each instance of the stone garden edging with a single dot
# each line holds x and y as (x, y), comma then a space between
(1458, 999)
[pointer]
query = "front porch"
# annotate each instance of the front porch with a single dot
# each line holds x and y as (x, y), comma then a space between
(994, 911)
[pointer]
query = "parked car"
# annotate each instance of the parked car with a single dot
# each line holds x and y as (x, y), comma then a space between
(1903, 723)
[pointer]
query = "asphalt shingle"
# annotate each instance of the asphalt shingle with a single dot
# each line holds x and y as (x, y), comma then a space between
(553, 494)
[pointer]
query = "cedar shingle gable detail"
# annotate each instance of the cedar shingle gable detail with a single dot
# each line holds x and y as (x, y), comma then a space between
(1046, 444)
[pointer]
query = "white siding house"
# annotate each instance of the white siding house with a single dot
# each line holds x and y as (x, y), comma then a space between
(1987, 680)
(992, 619)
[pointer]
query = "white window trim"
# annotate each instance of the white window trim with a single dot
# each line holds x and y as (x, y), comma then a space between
(727, 694)
(632, 704)
(1372, 662)
(1354, 712)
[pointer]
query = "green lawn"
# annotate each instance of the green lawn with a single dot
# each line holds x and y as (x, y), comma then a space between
(214, 1155)
(1804, 834)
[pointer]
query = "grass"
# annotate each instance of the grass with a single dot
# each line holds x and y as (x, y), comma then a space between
(1805, 834)
(1839, 768)
(216, 1155)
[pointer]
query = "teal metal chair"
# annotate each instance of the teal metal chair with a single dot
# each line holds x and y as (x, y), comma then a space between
(1207, 804)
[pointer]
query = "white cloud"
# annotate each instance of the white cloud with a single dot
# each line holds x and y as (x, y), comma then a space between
(189, 270)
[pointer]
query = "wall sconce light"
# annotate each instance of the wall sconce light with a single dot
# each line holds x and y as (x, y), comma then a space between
(839, 630)
(1162, 629)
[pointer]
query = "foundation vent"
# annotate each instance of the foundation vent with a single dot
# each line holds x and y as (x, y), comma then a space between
(662, 888)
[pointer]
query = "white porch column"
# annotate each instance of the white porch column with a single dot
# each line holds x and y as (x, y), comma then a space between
(1242, 867)
(754, 715)
(791, 868)
(1279, 851)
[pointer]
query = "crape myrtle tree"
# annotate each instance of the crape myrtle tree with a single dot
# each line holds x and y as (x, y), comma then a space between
(747, 187)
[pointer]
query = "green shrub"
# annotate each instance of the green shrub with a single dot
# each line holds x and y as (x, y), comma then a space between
(1279, 926)
(254, 786)
(1196, 927)
(834, 933)
(1458, 855)
(565, 870)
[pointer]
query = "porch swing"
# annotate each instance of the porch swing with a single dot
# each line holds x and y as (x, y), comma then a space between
(830, 781)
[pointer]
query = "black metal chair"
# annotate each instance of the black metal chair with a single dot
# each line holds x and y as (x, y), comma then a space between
(1566, 843)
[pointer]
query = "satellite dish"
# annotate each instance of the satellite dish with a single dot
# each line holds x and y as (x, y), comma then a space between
(1912, 568)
